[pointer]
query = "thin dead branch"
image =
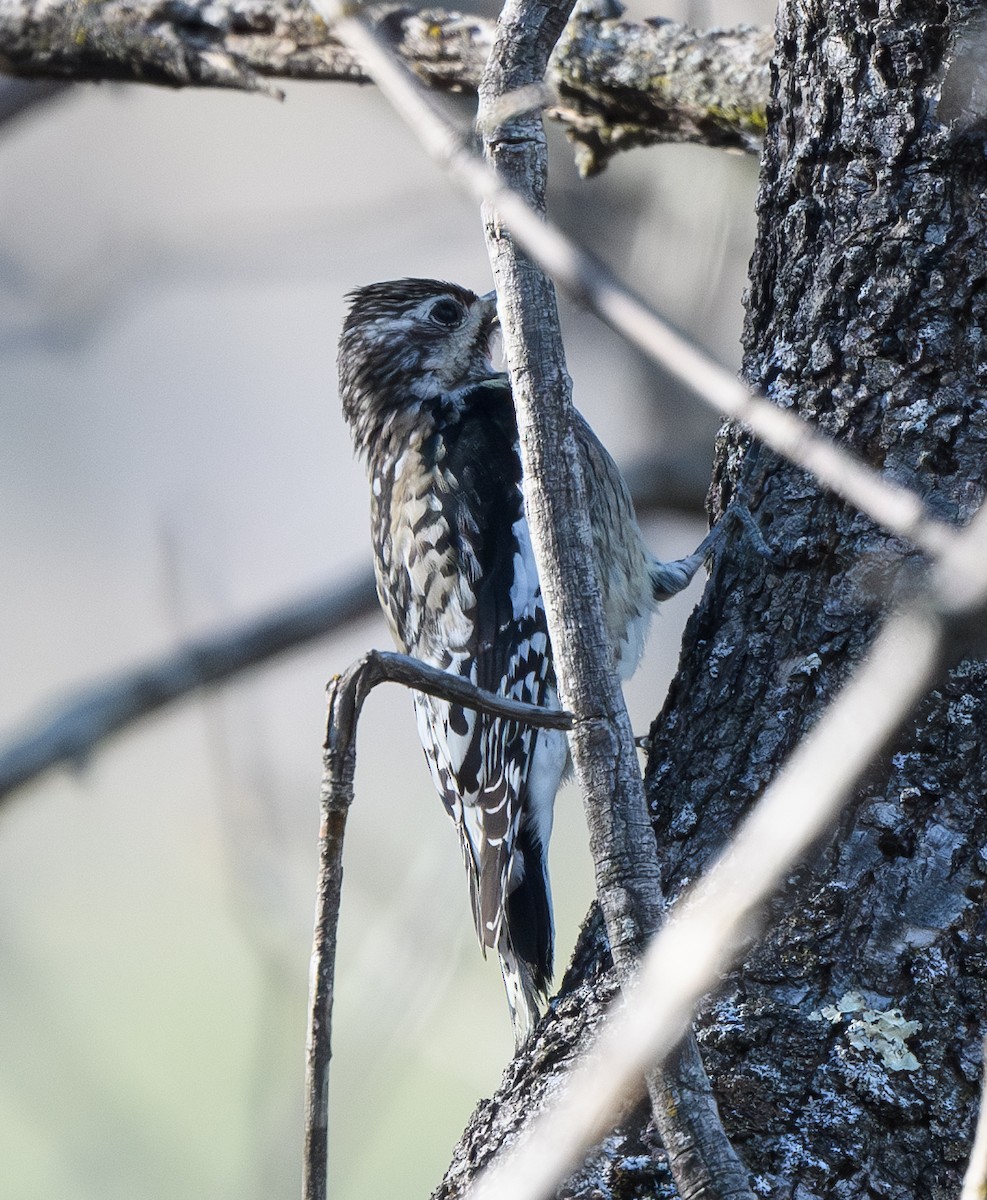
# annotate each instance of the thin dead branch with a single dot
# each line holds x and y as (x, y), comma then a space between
(346, 695)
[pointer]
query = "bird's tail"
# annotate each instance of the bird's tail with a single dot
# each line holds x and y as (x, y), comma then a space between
(525, 944)
(523, 996)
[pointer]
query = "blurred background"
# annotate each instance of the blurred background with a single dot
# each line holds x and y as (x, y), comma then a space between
(173, 460)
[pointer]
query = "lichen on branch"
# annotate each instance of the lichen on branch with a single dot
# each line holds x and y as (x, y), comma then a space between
(616, 83)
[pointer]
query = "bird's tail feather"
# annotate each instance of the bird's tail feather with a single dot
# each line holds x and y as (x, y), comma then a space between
(525, 943)
(524, 997)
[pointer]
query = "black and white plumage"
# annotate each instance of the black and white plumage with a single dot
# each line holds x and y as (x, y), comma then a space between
(458, 584)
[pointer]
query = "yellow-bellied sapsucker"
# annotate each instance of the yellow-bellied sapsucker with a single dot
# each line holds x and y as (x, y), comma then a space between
(458, 584)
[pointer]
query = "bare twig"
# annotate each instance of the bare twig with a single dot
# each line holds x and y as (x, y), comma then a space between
(579, 273)
(614, 83)
(346, 694)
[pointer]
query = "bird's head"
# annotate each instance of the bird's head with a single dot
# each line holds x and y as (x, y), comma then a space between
(410, 340)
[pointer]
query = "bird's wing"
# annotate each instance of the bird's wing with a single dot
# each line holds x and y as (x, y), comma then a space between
(469, 601)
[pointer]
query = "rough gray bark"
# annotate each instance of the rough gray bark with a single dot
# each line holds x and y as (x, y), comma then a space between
(866, 314)
(619, 83)
(624, 84)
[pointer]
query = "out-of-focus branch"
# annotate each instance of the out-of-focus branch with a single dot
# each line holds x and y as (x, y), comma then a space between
(236, 44)
(18, 96)
(81, 722)
(618, 83)
(672, 480)
(346, 695)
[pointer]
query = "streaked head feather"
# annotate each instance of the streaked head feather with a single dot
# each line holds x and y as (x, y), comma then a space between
(406, 341)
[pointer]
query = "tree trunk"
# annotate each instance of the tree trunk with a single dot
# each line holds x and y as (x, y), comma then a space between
(866, 314)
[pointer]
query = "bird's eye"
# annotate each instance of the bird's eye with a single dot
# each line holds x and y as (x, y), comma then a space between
(446, 313)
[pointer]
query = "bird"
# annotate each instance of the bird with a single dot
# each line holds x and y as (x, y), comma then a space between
(433, 419)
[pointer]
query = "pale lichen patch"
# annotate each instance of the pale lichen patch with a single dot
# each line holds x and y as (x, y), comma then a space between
(882, 1032)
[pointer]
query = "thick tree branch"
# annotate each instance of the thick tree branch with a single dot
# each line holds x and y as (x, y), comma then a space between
(618, 83)
(624, 84)
(346, 695)
(236, 44)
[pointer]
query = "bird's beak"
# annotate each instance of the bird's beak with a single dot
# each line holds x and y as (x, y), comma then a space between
(495, 344)
(489, 300)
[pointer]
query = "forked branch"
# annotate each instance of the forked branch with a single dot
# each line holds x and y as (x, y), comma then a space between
(346, 694)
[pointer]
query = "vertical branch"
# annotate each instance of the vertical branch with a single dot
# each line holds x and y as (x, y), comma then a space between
(603, 745)
(336, 796)
(621, 840)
